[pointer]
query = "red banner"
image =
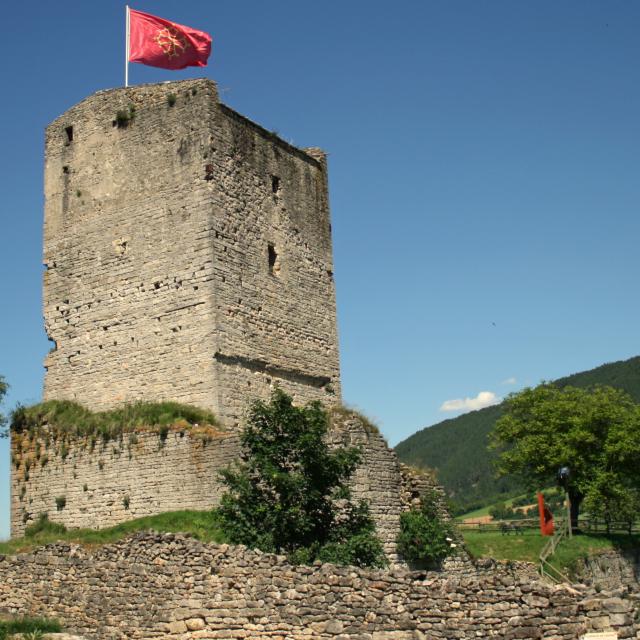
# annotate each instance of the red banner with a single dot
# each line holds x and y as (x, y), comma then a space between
(161, 43)
(546, 517)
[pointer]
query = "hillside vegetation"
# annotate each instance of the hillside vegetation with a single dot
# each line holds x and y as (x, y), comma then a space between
(457, 448)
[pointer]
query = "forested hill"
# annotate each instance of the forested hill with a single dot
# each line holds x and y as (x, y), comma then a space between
(457, 448)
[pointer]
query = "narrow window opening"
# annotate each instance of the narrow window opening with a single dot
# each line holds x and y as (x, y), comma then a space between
(274, 262)
(65, 169)
(275, 184)
(69, 132)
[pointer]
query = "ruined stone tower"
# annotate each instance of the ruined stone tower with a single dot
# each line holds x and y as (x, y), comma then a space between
(188, 255)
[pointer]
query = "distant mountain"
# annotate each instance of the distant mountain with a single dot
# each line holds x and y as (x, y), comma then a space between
(457, 448)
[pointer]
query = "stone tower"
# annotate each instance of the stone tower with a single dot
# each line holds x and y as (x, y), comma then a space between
(188, 255)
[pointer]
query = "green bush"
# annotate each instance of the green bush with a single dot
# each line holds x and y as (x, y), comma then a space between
(288, 493)
(122, 118)
(44, 525)
(425, 539)
(35, 627)
(503, 512)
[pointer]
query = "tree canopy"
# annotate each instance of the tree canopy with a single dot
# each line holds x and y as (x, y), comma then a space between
(289, 492)
(595, 432)
(457, 447)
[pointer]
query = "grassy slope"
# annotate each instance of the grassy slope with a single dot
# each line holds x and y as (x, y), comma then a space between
(201, 524)
(484, 511)
(457, 448)
(529, 545)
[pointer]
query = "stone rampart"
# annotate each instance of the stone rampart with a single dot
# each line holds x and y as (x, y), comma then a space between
(84, 482)
(169, 586)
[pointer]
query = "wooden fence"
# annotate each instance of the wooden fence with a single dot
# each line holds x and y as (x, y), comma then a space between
(586, 525)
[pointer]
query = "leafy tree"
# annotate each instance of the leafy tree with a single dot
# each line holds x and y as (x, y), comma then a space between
(457, 447)
(425, 539)
(595, 432)
(288, 493)
(501, 511)
(3, 419)
(613, 499)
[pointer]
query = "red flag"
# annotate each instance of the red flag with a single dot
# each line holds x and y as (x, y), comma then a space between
(546, 517)
(161, 43)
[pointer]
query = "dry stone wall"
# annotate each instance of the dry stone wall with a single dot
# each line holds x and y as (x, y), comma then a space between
(169, 586)
(611, 569)
(188, 255)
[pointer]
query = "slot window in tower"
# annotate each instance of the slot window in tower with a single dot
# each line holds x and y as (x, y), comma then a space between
(274, 262)
(69, 132)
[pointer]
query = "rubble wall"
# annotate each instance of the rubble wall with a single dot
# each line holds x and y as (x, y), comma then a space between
(169, 586)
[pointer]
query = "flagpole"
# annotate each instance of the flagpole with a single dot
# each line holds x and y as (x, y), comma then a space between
(126, 50)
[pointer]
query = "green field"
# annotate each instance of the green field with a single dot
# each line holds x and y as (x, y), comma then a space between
(200, 524)
(484, 511)
(492, 544)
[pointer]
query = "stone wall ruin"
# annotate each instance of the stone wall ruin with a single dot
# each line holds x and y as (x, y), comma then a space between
(103, 483)
(173, 587)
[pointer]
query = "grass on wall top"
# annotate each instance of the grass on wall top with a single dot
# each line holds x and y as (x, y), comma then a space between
(202, 525)
(67, 418)
(338, 412)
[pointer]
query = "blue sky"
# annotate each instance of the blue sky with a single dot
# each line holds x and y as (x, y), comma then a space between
(484, 161)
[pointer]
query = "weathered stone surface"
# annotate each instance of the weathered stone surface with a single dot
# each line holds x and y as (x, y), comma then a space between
(219, 591)
(611, 569)
(188, 254)
(47, 636)
(144, 474)
(107, 484)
